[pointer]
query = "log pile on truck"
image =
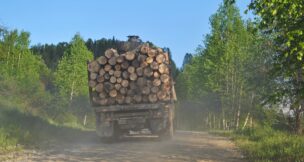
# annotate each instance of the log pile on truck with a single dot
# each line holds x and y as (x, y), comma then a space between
(141, 75)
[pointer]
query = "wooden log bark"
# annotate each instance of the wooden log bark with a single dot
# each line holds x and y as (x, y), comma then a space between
(92, 83)
(113, 93)
(117, 67)
(93, 76)
(102, 72)
(93, 66)
(107, 67)
(144, 48)
(154, 89)
(135, 63)
(133, 76)
(131, 69)
(99, 87)
(112, 61)
(117, 86)
(152, 98)
(125, 83)
(108, 86)
(160, 58)
(148, 72)
(144, 64)
(120, 99)
(130, 55)
(137, 98)
(120, 58)
(141, 58)
(113, 79)
(156, 82)
(165, 78)
(106, 76)
(125, 75)
(103, 102)
(149, 60)
(161, 95)
(128, 99)
(109, 53)
(139, 71)
(117, 73)
(152, 53)
(156, 74)
(125, 65)
(163, 69)
(100, 78)
(111, 72)
(141, 82)
(103, 95)
(118, 80)
(145, 90)
(102, 60)
(154, 65)
(123, 90)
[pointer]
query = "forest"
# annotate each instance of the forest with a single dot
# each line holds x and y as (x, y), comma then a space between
(245, 80)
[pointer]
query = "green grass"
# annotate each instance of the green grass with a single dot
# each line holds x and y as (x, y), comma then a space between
(265, 144)
(19, 129)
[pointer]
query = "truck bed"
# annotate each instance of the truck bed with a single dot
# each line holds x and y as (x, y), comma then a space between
(145, 106)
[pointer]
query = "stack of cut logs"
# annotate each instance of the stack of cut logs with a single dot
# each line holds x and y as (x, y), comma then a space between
(138, 76)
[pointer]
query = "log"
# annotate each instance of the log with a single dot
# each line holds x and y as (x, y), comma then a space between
(112, 61)
(106, 76)
(128, 99)
(154, 65)
(152, 53)
(123, 91)
(99, 87)
(117, 67)
(111, 101)
(135, 63)
(141, 81)
(152, 98)
(107, 67)
(103, 102)
(149, 83)
(149, 60)
(113, 93)
(163, 69)
(92, 83)
(154, 89)
(120, 99)
(132, 85)
(118, 80)
(103, 95)
(117, 86)
(165, 78)
(111, 72)
(141, 58)
(125, 65)
(120, 58)
(137, 98)
(117, 73)
(156, 74)
(130, 55)
(144, 64)
(108, 86)
(102, 72)
(102, 60)
(133, 76)
(145, 90)
(113, 79)
(125, 75)
(109, 53)
(130, 92)
(93, 66)
(156, 82)
(166, 86)
(93, 76)
(159, 50)
(148, 72)
(160, 58)
(144, 48)
(139, 71)
(100, 78)
(125, 83)
(145, 98)
(131, 69)
(161, 95)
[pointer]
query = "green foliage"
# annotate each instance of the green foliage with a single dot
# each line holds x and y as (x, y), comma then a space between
(266, 144)
(71, 73)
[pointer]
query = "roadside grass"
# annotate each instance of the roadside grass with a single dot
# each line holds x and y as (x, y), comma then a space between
(19, 129)
(264, 144)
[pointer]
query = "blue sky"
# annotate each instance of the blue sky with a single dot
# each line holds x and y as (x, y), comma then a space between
(177, 24)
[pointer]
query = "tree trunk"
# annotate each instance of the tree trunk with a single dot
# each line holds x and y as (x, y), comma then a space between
(246, 120)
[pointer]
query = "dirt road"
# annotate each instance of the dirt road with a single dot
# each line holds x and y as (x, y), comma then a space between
(185, 146)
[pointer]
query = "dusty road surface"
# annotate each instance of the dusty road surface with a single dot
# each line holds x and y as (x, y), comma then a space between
(185, 146)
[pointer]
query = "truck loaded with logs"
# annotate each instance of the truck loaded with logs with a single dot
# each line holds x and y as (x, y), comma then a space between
(132, 90)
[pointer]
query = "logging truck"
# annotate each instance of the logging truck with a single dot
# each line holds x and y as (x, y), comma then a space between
(131, 89)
